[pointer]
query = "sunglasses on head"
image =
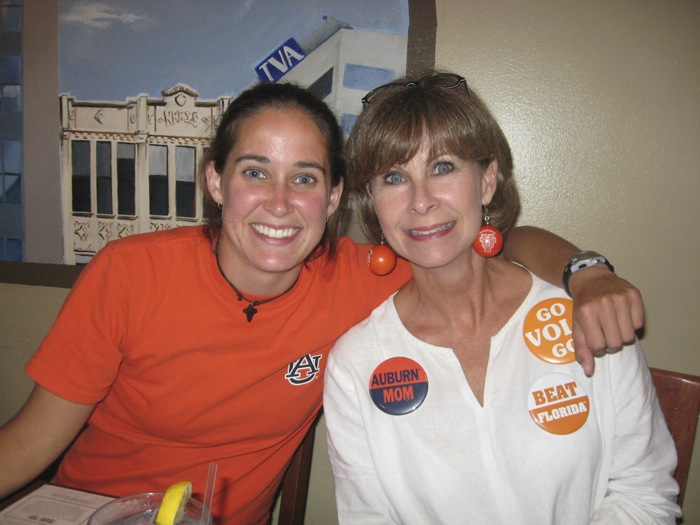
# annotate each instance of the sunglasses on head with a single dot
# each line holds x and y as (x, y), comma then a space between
(441, 80)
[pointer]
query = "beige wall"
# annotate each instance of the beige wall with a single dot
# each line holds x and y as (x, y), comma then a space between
(601, 105)
(26, 314)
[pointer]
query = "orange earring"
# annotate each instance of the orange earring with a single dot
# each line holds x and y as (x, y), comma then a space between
(489, 241)
(381, 259)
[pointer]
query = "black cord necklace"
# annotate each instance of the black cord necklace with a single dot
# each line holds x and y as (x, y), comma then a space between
(249, 310)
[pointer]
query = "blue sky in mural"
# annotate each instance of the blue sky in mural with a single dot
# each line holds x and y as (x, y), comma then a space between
(114, 49)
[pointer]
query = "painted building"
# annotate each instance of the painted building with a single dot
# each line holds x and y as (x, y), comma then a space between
(131, 167)
(342, 64)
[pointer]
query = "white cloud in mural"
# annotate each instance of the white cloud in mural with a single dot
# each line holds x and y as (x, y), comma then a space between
(102, 16)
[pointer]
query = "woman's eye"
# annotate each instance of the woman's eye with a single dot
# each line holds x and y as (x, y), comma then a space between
(443, 168)
(393, 178)
(254, 173)
(305, 179)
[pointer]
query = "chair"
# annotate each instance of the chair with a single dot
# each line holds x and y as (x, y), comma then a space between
(295, 484)
(679, 396)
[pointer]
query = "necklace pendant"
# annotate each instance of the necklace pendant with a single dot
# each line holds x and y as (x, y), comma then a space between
(250, 311)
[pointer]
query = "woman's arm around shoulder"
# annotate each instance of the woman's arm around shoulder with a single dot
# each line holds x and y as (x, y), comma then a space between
(36, 436)
(607, 309)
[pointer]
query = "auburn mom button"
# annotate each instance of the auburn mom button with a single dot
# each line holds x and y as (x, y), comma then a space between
(398, 386)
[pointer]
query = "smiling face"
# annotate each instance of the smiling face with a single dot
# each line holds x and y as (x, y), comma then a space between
(403, 116)
(276, 195)
(430, 208)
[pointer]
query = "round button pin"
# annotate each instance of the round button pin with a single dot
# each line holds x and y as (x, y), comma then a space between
(558, 403)
(547, 330)
(398, 386)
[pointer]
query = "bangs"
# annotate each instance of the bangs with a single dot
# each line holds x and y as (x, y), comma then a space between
(431, 118)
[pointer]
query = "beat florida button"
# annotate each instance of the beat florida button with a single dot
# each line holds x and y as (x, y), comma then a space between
(398, 386)
(558, 403)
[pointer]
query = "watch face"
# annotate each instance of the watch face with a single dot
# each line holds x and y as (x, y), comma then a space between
(586, 255)
(579, 262)
(586, 263)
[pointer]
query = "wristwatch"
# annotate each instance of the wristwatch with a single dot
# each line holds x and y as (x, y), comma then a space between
(581, 261)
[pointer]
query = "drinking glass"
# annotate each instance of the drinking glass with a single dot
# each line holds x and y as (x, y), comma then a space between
(141, 509)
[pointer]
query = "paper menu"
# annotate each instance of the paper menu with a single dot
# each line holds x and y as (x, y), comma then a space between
(53, 505)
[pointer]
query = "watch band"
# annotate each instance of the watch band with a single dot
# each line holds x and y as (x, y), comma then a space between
(581, 261)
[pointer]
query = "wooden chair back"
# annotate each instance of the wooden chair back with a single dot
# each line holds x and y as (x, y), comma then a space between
(295, 484)
(679, 396)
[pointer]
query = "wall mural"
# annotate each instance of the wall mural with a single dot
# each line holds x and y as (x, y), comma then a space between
(143, 83)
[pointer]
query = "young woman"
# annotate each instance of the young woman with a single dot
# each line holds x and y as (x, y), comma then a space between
(458, 400)
(194, 345)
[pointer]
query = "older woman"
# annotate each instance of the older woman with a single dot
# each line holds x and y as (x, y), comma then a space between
(458, 400)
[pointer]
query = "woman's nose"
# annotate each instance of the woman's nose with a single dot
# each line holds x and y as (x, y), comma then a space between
(422, 198)
(279, 202)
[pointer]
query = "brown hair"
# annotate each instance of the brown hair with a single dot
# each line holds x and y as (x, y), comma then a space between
(285, 96)
(441, 108)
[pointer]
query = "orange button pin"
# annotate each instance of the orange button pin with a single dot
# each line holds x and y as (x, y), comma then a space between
(547, 330)
(558, 403)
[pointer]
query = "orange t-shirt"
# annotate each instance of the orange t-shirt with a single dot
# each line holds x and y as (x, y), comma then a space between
(155, 336)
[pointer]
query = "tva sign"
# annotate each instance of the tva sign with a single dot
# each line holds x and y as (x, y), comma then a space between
(280, 61)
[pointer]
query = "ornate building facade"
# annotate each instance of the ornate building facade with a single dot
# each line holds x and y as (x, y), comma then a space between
(131, 167)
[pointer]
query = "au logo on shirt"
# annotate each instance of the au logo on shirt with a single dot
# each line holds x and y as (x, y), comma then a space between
(303, 370)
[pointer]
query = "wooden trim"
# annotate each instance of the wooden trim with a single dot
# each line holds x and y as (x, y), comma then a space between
(39, 274)
(295, 484)
(422, 30)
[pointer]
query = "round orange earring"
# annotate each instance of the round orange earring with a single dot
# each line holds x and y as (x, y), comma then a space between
(381, 259)
(489, 241)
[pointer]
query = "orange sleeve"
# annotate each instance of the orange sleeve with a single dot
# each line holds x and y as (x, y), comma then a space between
(79, 358)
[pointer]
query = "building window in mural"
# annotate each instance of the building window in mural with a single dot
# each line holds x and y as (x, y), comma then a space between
(11, 148)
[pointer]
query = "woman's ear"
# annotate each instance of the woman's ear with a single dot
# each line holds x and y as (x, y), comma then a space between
(334, 197)
(368, 189)
(214, 183)
(489, 182)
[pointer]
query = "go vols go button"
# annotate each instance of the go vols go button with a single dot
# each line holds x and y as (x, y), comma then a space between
(558, 403)
(398, 386)
(547, 330)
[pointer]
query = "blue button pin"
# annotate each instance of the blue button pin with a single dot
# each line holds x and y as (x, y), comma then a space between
(398, 386)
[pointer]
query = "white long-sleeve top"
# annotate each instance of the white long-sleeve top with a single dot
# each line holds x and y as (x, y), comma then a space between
(454, 461)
